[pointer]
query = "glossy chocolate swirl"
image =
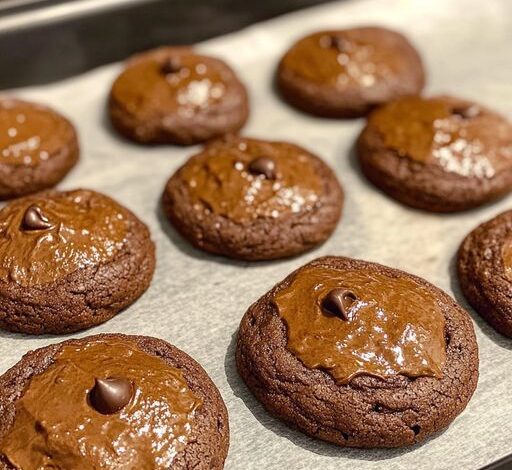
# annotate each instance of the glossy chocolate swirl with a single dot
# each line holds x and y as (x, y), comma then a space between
(55, 425)
(45, 237)
(30, 133)
(394, 325)
(456, 135)
(236, 179)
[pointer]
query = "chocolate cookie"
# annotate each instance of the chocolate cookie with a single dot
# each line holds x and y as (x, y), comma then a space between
(359, 354)
(38, 147)
(346, 73)
(111, 401)
(253, 199)
(440, 154)
(485, 271)
(70, 260)
(173, 95)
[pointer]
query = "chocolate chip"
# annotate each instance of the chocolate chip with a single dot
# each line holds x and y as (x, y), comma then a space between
(338, 302)
(108, 396)
(466, 112)
(34, 219)
(338, 43)
(263, 166)
(171, 65)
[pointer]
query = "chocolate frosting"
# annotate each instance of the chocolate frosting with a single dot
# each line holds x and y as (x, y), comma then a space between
(446, 132)
(83, 228)
(394, 325)
(223, 179)
(30, 133)
(344, 58)
(181, 82)
(55, 425)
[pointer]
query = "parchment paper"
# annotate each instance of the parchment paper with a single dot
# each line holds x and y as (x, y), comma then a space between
(196, 301)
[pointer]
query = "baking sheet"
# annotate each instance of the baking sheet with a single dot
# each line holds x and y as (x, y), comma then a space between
(196, 301)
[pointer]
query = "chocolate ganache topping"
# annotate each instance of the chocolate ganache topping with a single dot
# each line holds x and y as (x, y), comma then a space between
(245, 179)
(45, 237)
(459, 137)
(353, 322)
(57, 426)
(343, 59)
(30, 133)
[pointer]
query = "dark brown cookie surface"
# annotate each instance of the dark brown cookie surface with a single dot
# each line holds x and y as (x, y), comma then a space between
(38, 147)
(70, 260)
(173, 95)
(346, 73)
(253, 199)
(441, 154)
(485, 271)
(399, 366)
(168, 413)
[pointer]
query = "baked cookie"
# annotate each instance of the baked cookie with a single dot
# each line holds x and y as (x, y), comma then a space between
(173, 95)
(439, 154)
(38, 147)
(359, 354)
(346, 73)
(111, 401)
(253, 199)
(70, 260)
(485, 271)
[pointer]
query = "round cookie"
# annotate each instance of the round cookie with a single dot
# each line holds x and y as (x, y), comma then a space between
(485, 271)
(111, 401)
(346, 73)
(173, 95)
(253, 199)
(38, 147)
(440, 154)
(70, 260)
(359, 354)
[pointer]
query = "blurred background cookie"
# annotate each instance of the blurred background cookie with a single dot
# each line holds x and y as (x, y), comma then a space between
(345, 73)
(38, 147)
(173, 95)
(440, 154)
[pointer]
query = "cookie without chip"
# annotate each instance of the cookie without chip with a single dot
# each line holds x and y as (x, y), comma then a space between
(174, 95)
(345, 73)
(485, 271)
(440, 154)
(359, 354)
(70, 260)
(254, 199)
(38, 147)
(111, 401)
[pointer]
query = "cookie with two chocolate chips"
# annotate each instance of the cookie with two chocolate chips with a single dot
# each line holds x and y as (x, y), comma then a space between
(440, 154)
(359, 354)
(38, 147)
(174, 95)
(254, 199)
(345, 73)
(485, 271)
(70, 260)
(111, 401)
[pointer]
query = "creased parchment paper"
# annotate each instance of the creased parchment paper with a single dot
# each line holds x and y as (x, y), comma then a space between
(196, 301)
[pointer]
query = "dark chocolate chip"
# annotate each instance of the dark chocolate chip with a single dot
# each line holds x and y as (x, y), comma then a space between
(263, 166)
(466, 112)
(108, 396)
(34, 219)
(171, 65)
(338, 43)
(338, 302)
